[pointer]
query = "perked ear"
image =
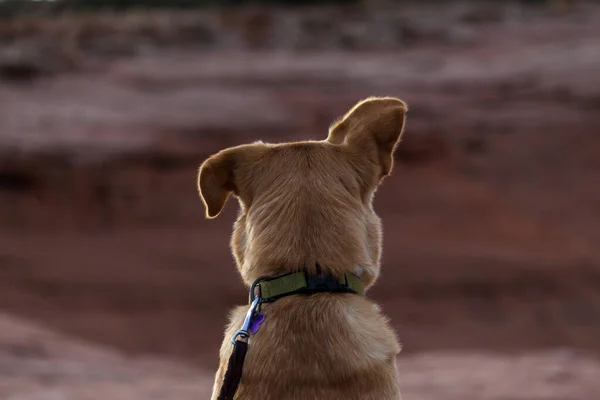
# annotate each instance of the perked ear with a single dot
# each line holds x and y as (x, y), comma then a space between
(216, 181)
(373, 125)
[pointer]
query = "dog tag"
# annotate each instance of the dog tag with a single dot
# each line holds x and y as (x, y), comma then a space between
(257, 319)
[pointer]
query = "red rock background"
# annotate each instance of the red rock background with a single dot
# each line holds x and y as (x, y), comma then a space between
(491, 268)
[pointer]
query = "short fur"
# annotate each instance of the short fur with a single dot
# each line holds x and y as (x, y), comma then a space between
(303, 204)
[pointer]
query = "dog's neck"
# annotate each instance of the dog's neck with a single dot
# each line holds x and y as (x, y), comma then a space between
(276, 258)
(307, 224)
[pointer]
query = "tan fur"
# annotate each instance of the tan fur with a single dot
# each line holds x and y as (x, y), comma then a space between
(303, 204)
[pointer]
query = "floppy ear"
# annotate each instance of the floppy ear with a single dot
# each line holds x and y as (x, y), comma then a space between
(216, 181)
(374, 126)
(232, 170)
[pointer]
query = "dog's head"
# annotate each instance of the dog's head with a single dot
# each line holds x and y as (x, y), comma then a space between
(308, 205)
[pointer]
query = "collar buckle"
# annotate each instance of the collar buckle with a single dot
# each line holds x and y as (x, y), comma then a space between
(321, 283)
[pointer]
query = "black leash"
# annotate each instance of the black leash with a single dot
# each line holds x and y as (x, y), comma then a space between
(235, 365)
(233, 375)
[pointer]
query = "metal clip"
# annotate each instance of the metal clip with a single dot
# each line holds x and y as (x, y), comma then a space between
(243, 332)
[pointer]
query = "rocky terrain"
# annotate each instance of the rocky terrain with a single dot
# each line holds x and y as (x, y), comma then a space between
(491, 269)
(38, 364)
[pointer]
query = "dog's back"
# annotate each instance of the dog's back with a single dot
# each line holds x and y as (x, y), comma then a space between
(307, 206)
(324, 346)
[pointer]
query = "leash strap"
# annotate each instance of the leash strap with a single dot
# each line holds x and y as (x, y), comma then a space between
(233, 375)
(235, 365)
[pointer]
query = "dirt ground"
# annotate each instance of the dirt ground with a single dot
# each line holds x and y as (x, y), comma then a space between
(113, 284)
(38, 364)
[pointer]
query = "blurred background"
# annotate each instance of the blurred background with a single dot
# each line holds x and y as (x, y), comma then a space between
(112, 283)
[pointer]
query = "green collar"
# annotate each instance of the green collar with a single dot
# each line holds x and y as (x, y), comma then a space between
(269, 289)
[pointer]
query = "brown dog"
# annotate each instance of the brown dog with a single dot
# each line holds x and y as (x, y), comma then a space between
(308, 206)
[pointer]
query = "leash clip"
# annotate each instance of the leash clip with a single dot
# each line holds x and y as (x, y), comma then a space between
(244, 331)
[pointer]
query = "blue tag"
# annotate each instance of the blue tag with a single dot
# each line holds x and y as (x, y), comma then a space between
(257, 319)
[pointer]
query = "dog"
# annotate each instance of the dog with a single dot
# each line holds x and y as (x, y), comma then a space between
(306, 211)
